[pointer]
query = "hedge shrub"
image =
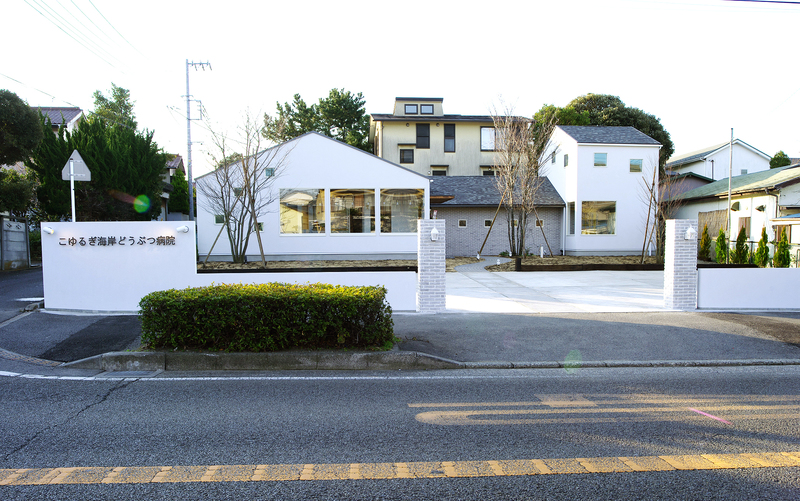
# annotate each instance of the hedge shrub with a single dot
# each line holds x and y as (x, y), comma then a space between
(266, 317)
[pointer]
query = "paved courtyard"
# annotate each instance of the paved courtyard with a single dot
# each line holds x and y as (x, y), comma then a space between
(555, 292)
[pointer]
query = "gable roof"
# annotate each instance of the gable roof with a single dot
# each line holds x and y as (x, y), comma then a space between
(55, 114)
(459, 191)
(601, 134)
(771, 179)
(699, 155)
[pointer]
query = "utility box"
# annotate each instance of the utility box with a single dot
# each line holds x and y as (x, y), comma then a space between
(14, 243)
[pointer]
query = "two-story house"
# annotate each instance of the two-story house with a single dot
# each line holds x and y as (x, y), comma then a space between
(714, 162)
(602, 174)
(419, 136)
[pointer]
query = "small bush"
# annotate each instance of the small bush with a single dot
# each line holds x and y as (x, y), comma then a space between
(740, 251)
(781, 259)
(266, 317)
(722, 247)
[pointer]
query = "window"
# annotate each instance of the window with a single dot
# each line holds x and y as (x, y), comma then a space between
(566, 159)
(352, 211)
(302, 211)
(438, 171)
(600, 159)
(406, 156)
(462, 223)
(237, 192)
(487, 223)
(487, 138)
(426, 109)
(744, 171)
(781, 229)
(269, 171)
(423, 135)
(636, 165)
(571, 217)
(744, 222)
(539, 222)
(488, 171)
(260, 226)
(553, 157)
(449, 137)
(411, 109)
(598, 218)
(400, 210)
(219, 219)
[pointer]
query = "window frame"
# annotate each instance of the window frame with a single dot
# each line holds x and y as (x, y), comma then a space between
(423, 140)
(632, 164)
(493, 138)
(487, 223)
(611, 222)
(566, 159)
(422, 109)
(460, 221)
(435, 168)
(407, 151)
(452, 128)
(407, 107)
(604, 160)
(314, 194)
(369, 215)
(571, 216)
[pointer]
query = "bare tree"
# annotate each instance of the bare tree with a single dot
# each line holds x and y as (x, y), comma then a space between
(660, 193)
(521, 168)
(240, 190)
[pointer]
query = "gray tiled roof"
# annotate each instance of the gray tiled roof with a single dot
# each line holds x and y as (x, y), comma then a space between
(607, 135)
(55, 114)
(388, 117)
(696, 156)
(757, 181)
(482, 191)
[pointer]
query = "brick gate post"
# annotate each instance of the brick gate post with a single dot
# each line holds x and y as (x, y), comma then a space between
(431, 293)
(680, 265)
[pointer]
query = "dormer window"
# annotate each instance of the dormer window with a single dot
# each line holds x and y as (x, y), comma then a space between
(411, 109)
(426, 109)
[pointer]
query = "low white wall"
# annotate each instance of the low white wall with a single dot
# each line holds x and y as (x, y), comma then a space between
(748, 288)
(110, 266)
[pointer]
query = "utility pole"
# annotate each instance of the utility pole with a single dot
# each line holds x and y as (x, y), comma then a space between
(189, 136)
(730, 174)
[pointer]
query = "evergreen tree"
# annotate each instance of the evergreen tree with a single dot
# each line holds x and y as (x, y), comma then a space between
(741, 250)
(20, 131)
(16, 192)
(118, 110)
(179, 198)
(782, 258)
(780, 159)
(705, 245)
(762, 252)
(722, 247)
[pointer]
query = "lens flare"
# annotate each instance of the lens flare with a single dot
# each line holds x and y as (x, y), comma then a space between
(573, 362)
(141, 204)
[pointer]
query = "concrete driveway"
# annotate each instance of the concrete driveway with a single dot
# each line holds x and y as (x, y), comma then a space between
(470, 290)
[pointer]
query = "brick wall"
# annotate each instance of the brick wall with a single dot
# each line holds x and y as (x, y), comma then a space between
(467, 241)
(431, 280)
(680, 266)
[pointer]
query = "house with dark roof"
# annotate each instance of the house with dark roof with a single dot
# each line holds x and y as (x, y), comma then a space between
(419, 136)
(768, 199)
(469, 204)
(62, 116)
(713, 162)
(602, 174)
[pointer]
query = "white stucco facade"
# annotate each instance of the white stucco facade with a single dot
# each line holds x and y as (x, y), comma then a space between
(323, 167)
(613, 191)
(716, 161)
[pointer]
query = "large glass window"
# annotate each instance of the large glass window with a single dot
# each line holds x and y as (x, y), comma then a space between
(302, 211)
(352, 211)
(449, 137)
(598, 218)
(487, 138)
(400, 210)
(423, 135)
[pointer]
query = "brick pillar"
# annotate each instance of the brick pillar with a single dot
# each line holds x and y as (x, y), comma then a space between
(431, 297)
(680, 266)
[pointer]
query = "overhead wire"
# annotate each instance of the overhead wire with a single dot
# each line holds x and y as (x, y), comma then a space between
(115, 29)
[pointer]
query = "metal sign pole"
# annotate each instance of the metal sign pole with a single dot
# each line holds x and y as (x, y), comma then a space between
(72, 186)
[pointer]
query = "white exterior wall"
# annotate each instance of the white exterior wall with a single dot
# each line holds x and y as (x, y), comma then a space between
(748, 288)
(747, 208)
(317, 162)
(743, 158)
(581, 181)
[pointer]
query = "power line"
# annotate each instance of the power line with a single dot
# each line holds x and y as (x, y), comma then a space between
(115, 29)
(93, 23)
(765, 1)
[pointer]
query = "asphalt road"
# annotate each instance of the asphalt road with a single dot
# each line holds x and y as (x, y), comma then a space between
(430, 423)
(18, 289)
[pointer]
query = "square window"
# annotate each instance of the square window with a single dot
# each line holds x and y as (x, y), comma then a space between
(449, 138)
(237, 192)
(462, 223)
(302, 210)
(269, 171)
(423, 136)
(600, 159)
(487, 223)
(406, 156)
(260, 226)
(598, 218)
(539, 222)
(219, 219)
(487, 138)
(636, 165)
(352, 211)
(400, 209)
(426, 109)
(411, 109)
(566, 159)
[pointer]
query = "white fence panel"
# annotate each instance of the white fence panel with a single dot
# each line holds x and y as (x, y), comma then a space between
(748, 288)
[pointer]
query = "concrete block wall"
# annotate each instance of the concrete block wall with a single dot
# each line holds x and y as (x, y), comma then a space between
(680, 266)
(467, 241)
(431, 284)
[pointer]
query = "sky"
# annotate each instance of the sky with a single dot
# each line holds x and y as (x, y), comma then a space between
(701, 66)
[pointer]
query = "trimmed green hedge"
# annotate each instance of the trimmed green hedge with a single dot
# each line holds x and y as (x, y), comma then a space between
(266, 317)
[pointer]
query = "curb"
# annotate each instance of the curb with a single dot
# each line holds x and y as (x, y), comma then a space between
(341, 361)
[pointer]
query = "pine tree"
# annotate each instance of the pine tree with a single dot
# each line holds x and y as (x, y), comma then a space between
(179, 198)
(705, 245)
(722, 247)
(762, 252)
(782, 258)
(740, 251)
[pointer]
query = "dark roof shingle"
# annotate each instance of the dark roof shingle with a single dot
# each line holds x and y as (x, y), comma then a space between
(601, 134)
(482, 191)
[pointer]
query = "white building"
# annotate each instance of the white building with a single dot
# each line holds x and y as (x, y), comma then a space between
(601, 173)
(714, 162)
(330, 201)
